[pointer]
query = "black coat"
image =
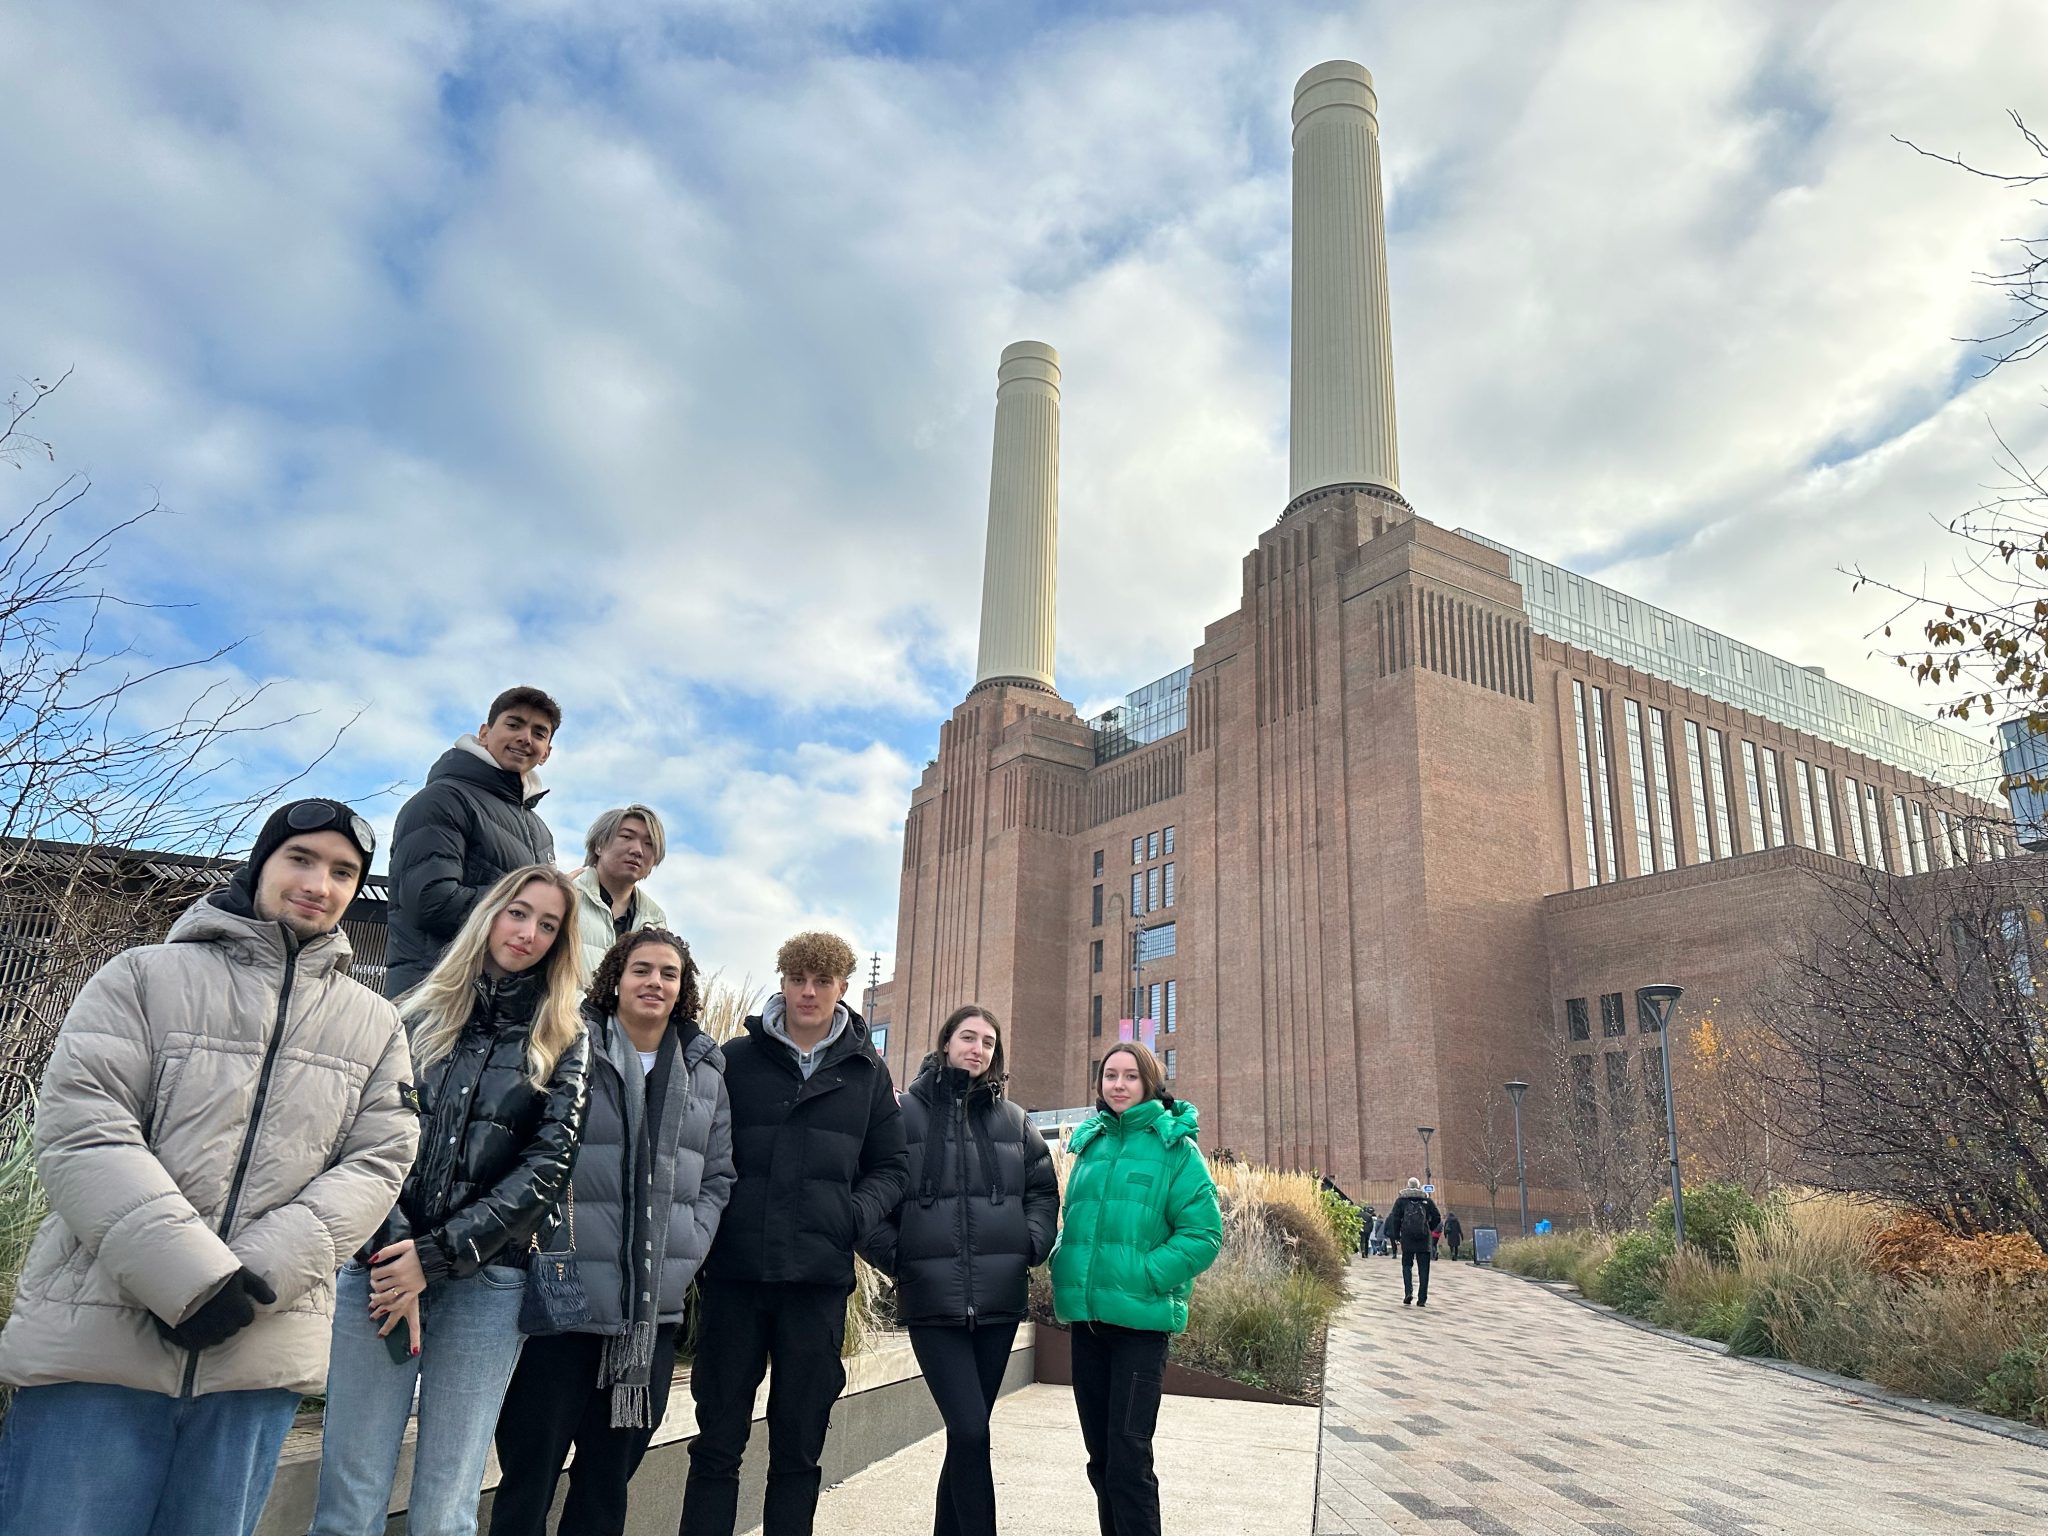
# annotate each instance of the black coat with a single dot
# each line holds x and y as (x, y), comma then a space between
(1400, 1211)
(471, 826)
(982, 1206)
(495, 1151)
(818, 1163)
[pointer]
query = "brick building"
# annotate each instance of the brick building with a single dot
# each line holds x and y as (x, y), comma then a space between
(1417, 804)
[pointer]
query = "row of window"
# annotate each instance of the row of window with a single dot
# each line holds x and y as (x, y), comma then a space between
(1164, 998)
(1910, 842)
(1151, 846)
(1578, 1018)
(1152, 888)
(1630, 1091)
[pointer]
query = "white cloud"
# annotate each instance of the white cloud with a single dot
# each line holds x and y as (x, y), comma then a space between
(649, 355)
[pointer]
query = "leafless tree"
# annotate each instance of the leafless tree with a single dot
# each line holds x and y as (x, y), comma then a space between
(1601, 1136)
(102, 747)
(1493, 1150)
(1911, 1043)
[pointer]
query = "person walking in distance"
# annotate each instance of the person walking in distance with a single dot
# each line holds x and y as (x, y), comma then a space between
(981, 1209)
(1413, 1223)
(473, 822)
(223, 1120)
(649, 1186)
(818, 1163)
(1141, 1222)
(1454, 1234)
(623, 847)
(502, 1056)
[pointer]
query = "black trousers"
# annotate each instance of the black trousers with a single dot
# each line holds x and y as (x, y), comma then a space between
(554, 1402)
(743, 1332)
(1415, 1257)
(1119, 1375)
(964, 1368)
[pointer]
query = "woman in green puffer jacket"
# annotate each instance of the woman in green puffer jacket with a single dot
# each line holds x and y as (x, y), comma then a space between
(1141, 1222)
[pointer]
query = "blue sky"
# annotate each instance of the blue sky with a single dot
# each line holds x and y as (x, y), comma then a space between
(647, 353)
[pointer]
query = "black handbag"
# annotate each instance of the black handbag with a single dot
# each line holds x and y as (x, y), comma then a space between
(555, 1300)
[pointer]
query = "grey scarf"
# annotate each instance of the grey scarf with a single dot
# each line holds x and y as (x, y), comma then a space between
(650, 1181)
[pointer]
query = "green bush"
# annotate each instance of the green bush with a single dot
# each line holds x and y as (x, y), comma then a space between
(1629, 1278)
(1699, 1297)
(1345, 1221)
(1258, 1327)
(2017, 1387)
(1715, 1213)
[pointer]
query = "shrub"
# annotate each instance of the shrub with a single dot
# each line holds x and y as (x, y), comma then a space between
(1345, 1221)
(1629, 1277)
(1714, 1214)
(1811, 1288)
(2018, 1385)
(1942, 1341)
(1257, 1318)
(1700, 1297)
(1308, 1244)
(1914, 1246)
(1552, 1255)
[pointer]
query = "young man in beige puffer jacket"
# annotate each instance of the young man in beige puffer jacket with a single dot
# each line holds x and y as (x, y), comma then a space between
(225, 1119)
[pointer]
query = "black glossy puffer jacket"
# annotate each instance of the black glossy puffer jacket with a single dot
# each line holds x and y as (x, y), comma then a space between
(495, 1151)
(471, 825)
(982, 1207)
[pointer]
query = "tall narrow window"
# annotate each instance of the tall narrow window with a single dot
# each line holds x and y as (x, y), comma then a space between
(1137, 850)
(1639, 786)
(1904, 854)
(1578, 1021)
(1696, 761)
(1137, 892)
(1601, 755)
(1854, 808)
(1660, 781)
(1095, 907)
(1172, 1006)
(1152, 846)
(1802, 770)
(1717, 768)
(1613, 1021)
(1172, 1063)
(1152, 890)
(1095, 1014)
(1167, 846)
(1950, 853)
(1157, 1001)
(1098, 863)
(1095, 957)
(1984, 854)
(1874, 825)
(1756, 796)
(1585, 783)
(1167, 885)
(1917, 820)
(1825, 800)
(1774, 798)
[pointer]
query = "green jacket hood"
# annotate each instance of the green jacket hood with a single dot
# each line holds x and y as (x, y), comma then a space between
(1172, 1120)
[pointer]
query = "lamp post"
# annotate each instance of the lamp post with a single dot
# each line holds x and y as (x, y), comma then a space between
(1659, 1000)
(1515, 1092)
(1425, 1132)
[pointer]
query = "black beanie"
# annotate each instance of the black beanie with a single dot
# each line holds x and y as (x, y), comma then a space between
(278, 830)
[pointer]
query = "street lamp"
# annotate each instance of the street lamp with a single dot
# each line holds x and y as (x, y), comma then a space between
(1515, 1092)
(1658, 1001)
(1425, 1132)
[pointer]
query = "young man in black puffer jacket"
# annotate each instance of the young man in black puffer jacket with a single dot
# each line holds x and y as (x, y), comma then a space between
(982, 1208)
(818, 1157)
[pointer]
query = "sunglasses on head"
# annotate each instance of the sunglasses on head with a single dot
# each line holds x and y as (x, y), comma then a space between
(326, 816)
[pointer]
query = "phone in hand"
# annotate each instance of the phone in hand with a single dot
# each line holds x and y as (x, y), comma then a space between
(398, 1342)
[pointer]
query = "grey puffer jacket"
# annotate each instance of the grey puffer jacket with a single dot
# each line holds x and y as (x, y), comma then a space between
(229, 1097)
(693, 1161)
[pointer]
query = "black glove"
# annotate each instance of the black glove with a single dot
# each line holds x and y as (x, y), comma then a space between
(231, 1309)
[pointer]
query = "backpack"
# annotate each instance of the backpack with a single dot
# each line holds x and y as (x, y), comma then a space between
(1414, 1223)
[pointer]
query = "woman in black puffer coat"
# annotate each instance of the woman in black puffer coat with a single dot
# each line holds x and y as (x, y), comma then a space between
(981, 1209)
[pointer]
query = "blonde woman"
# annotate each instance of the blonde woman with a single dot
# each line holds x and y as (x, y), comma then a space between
(501, 1056)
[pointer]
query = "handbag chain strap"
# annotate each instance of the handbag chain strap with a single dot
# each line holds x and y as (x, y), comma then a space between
(533, 1242)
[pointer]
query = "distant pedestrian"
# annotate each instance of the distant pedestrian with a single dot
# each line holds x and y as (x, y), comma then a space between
(1141, 1223)
(1414, 1223)
(1376, 1245)
(1368, 1229)
(1454, 1234)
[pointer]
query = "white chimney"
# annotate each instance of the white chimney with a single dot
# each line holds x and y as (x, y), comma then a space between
(1018, 581)
(1343, 373)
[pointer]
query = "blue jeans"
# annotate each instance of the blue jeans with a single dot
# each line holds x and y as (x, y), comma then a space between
(84, 1459)
(469, 1343)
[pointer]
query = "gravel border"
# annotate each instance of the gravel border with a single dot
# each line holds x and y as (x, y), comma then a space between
(1949, 1413)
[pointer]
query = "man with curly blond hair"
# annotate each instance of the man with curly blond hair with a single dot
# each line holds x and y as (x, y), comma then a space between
(819, 1162)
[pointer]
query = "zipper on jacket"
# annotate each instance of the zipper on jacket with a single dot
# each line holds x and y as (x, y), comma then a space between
(960, 1162)
(227, 1217)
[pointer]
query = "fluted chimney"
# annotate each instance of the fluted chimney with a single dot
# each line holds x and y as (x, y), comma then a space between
(1018, 581)
(1343, 363)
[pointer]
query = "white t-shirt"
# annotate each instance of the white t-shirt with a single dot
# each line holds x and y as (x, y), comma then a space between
(647, 1061)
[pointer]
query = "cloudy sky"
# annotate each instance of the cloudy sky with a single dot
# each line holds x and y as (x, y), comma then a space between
(646, 352)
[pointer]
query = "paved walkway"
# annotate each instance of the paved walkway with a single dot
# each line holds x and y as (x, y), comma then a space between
(1506, 1409)
(1226, 1469)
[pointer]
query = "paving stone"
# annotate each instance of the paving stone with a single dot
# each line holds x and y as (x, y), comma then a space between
(1522, 1412)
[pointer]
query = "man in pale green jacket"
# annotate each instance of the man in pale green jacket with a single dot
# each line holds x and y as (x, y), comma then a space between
(622, 848)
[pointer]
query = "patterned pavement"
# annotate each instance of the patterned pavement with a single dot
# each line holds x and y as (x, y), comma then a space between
(1507, 1409)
